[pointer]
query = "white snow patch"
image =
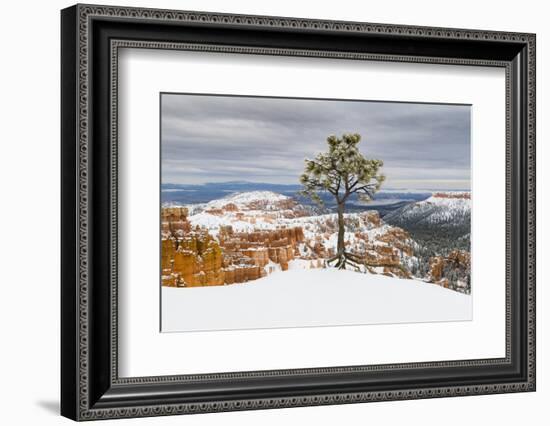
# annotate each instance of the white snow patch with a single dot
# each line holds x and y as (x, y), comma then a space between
(272, 267)
(305, 298)
(300, 264)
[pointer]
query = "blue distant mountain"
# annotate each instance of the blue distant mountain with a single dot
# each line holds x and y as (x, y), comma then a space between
(384, 201)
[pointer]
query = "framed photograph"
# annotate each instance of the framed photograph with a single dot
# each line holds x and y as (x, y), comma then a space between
(263, 212)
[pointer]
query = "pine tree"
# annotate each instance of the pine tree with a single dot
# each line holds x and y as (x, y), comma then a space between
(342, 171)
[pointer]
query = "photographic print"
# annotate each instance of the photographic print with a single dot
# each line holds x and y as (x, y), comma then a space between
(293, 212)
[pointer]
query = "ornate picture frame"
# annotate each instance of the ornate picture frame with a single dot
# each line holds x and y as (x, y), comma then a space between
(91, 38)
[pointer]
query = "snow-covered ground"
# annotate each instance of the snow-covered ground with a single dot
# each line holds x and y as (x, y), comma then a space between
(305, 298)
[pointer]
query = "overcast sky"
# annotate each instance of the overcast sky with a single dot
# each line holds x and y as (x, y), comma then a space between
(227, 138)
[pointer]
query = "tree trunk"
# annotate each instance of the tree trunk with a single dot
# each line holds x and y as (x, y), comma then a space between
(342, 259)
(341, 228)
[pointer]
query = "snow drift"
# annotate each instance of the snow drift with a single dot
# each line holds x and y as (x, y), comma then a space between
(307, 298)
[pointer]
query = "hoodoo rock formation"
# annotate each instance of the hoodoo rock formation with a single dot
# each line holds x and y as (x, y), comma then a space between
(192, 257)
(451, 271)
(244, 237)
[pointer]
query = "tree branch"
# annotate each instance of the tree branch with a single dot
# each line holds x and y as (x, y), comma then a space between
(368, 188)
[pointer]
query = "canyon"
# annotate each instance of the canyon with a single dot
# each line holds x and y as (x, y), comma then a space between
(247, 236)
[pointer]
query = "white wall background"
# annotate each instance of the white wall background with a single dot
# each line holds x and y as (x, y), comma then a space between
(29, 213)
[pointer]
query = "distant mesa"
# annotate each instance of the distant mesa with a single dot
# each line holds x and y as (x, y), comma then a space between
(451, 209)
(457, 195)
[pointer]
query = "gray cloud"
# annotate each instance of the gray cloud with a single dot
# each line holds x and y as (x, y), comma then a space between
(223, 138)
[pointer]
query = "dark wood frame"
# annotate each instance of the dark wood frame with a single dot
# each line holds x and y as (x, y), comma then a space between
(91, 37)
